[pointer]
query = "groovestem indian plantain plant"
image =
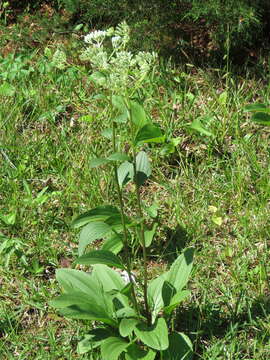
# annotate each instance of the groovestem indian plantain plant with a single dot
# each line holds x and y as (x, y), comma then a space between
(131, 322)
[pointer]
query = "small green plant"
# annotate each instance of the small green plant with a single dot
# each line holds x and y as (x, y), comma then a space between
(133, 318)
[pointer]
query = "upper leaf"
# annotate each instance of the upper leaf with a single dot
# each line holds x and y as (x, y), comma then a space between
(149, 133)
(91, 232)
(138, 115)
(100, 257)
(118, 157)
(149, 234)
(108, 278)
(155, 295)
(125, 173)
(114, 243)
(99, 213)
(180, 269)
(143, 168)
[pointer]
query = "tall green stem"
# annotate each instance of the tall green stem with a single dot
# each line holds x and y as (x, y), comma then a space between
(145, 282)
(123, 221)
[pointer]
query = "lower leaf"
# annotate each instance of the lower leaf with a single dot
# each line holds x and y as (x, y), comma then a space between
(155, 336)
(112, 347)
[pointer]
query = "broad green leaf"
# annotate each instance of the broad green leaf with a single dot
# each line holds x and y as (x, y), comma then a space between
(127, 290)
(125, 312)
(127, 326)
(7, 89)
(125, 173)
(143, 168)
(118, 102)
(122, 118)
(155, 336)
(76, 280)
(113, 244)
(91, 232)
(108, 278)
(78, 305)
(180, 347)
(100, 257)
(118, 157)
(197, 125)
(257, 108)
(98, 162)
(92, 340)
(261, 118)
(100, 213)
(136, 353)
(168, 291)
(112, 347)
(149, 234)
(149, 133)
(138, 115)
(175, 301)
(180, 270)
(155, 295)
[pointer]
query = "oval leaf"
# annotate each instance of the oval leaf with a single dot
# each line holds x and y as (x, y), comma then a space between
(180, 269)
(113, 244)
(125, 173)
(100, 257)
(112, 347)
(118, 157)
(143, 168)
(138, 115)
(149, 133)
(92, 232)
(100, 213)
(127, 326)
(155, 336)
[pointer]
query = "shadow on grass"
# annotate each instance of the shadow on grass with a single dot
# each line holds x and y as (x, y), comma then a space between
(210, 321)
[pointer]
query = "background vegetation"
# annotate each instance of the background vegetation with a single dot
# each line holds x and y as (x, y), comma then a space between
(212, 186)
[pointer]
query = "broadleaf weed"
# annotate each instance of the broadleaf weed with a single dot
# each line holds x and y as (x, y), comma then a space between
(135, 318)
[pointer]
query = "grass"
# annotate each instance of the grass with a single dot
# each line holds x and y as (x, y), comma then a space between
(213, 193)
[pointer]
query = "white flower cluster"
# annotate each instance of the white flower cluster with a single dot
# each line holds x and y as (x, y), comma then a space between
(121, 68)
(95, 38)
